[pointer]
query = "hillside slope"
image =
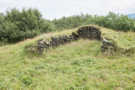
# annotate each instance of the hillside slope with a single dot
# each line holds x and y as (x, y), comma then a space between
(77, 66)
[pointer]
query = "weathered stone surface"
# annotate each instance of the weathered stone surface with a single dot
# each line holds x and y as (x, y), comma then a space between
(108, 46)
(41, 45)
(89, 32)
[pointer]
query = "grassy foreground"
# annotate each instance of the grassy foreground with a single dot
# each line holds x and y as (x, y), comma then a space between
(76, 66)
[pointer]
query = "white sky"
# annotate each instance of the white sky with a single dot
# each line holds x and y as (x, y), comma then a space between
(57, 8)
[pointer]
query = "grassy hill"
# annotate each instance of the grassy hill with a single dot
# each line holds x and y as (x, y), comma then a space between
(75, 66)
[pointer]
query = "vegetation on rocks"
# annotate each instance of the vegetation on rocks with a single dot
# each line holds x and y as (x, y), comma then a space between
(85, 32)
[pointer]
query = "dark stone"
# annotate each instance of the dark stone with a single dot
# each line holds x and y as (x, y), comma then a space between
(40, 46)
(75, 36)
(108, 46)
(89, 32)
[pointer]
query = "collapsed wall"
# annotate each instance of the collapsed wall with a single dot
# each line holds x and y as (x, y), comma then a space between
(110, 47)
(85, 32)
(89, 32)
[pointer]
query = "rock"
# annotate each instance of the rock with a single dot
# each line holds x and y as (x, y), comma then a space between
(75, 36)
(40, 46)
(108, 46)
(89, 32)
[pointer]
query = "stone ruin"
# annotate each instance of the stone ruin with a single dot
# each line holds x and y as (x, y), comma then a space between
(85, 32)
(55, 42)
(108, 46)
(89, 32)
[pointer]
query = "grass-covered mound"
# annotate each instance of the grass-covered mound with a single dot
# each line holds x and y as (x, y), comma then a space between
(78, 64)
(85, 32)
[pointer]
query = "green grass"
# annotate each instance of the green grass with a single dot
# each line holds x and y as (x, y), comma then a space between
(75, 66)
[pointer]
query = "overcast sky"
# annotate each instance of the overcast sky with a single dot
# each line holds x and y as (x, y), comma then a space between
(57, 8)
